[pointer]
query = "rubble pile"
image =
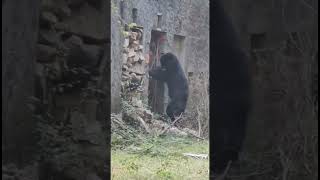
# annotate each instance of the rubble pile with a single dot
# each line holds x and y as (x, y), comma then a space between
(133, 63)
(135, 112)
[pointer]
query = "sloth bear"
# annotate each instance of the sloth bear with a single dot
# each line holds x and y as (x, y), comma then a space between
(230, 91)
(172, 74)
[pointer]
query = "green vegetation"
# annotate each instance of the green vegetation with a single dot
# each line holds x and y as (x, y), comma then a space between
(131, 25)
(159, 158)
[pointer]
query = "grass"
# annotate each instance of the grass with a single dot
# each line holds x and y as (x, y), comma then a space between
(160, 158)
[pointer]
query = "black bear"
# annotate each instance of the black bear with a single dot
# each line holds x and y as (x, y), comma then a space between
(230, 91)
(172, 74)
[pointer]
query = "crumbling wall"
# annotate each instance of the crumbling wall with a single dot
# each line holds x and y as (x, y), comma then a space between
(133, 64)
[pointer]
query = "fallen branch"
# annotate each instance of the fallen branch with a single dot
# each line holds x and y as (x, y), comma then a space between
(166, 129)
(195, 136)
(144, 124)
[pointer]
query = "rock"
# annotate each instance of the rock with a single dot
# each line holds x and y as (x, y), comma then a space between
(48, 18)
(62, 27)
(131, 53)
(58, 7)
(88, 23)
(48, 37)
(141, 57)
(74, 41)
(136, 58)
(135, 78)
(135, 45)
(138, 69)
(129, 63)
(46, 53)
(125, 67)
(133, 36)
(125, 78)
(83, 55)
(63, 11)
(125, 74)
(147, 114)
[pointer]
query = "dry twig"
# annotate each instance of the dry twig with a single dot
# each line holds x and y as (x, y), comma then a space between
(166, 129)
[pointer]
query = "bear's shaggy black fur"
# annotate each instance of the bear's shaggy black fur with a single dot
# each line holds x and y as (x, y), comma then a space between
(230, 91)
(172, 74)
